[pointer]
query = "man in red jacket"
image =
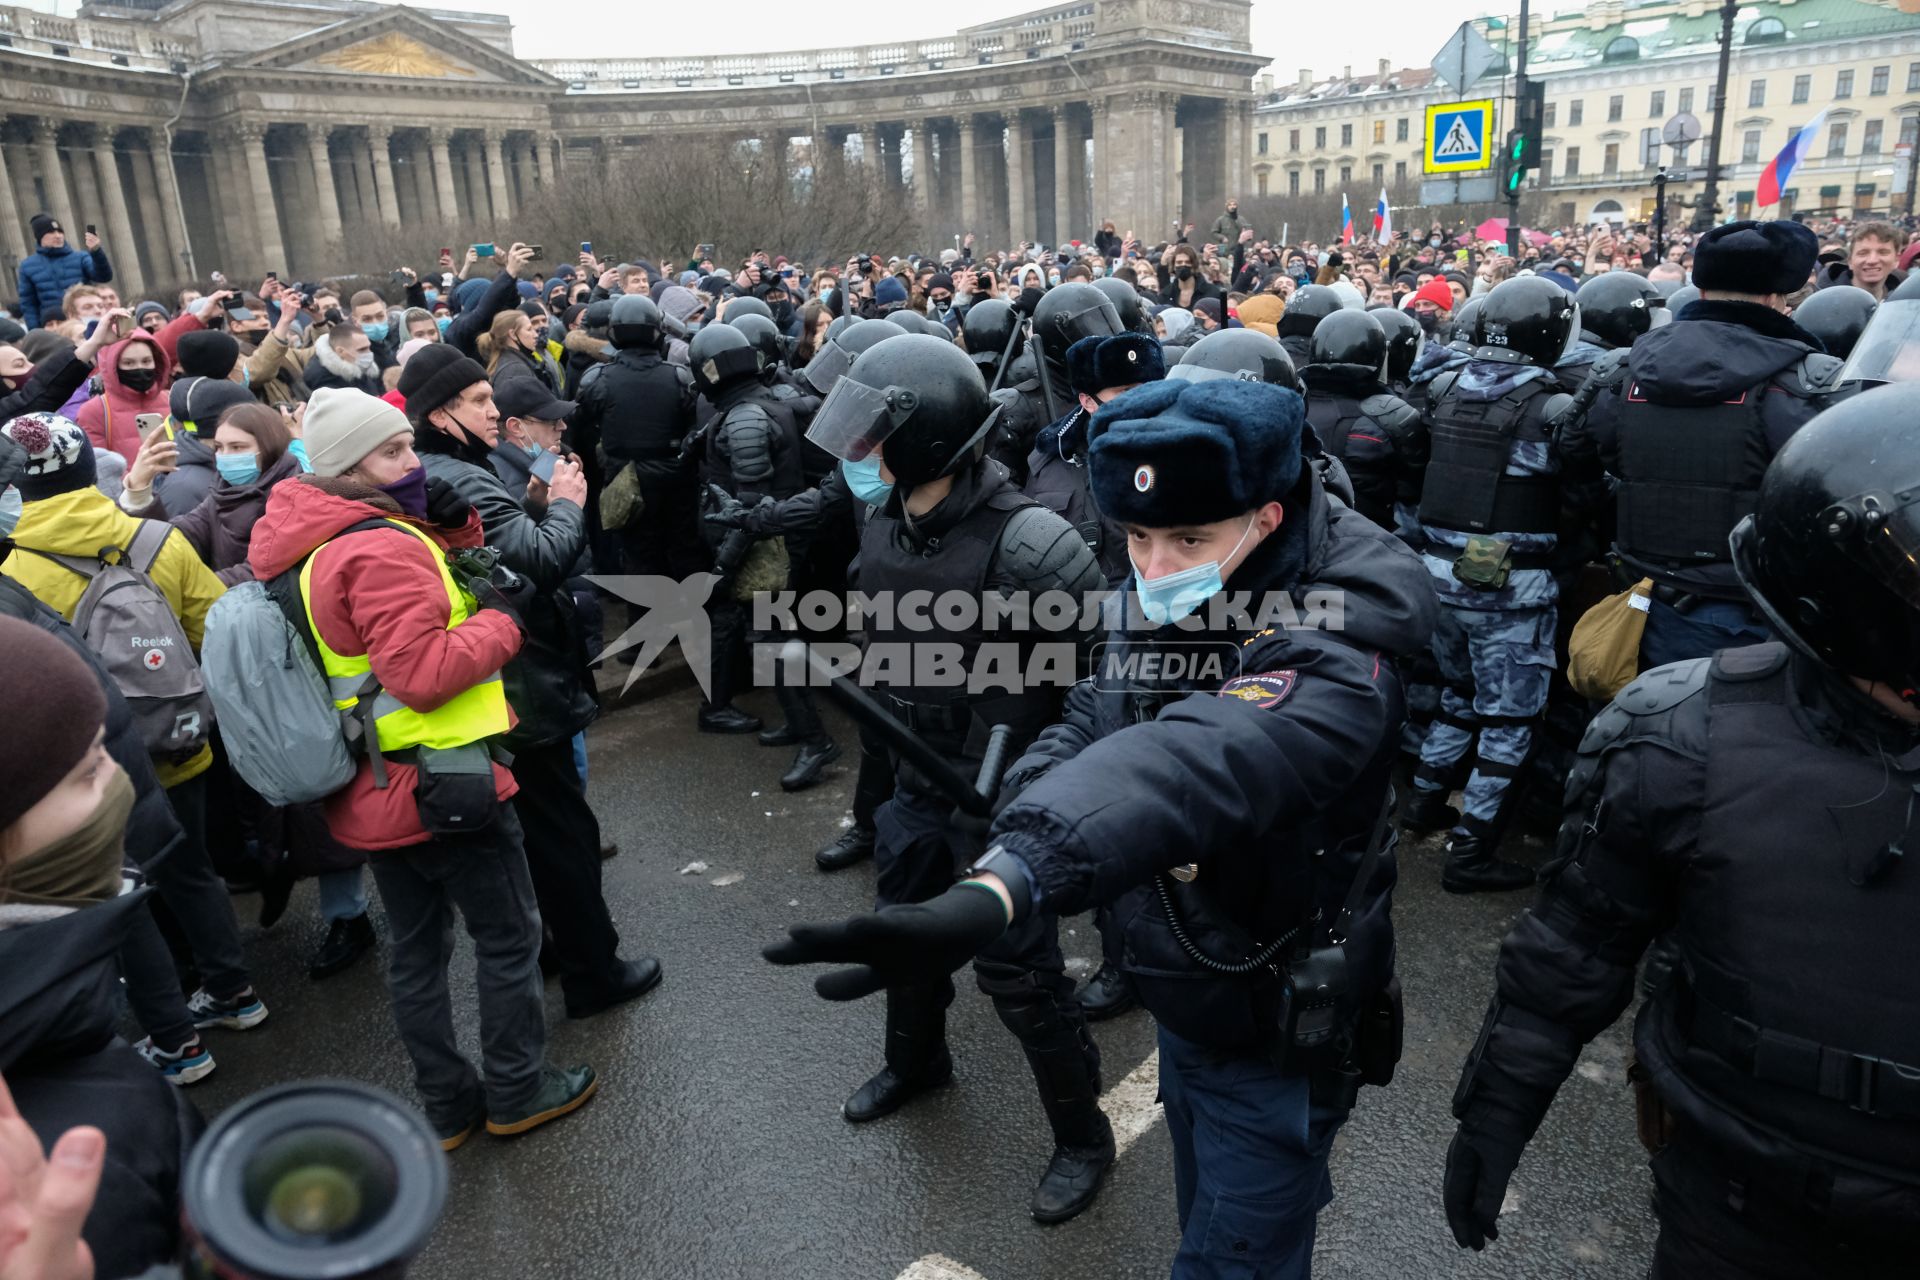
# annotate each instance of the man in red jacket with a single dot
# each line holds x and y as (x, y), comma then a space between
(382, 601)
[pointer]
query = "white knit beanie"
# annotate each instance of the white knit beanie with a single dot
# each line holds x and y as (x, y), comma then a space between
(344, 425)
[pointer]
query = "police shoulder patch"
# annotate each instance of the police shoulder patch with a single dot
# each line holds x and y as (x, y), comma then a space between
(1267, 689)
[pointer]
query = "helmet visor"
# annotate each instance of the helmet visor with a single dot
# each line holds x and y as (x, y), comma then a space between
(1888, 536)
(1889, 350)
(855, 419)
(1200, 373)
(1098, 321)
(828, 366)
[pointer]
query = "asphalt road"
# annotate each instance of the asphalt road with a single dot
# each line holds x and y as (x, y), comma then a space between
(716, 1147)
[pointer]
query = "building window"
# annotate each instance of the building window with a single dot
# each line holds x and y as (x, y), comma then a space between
(1843, 83)
(1320, 138)
(1913, 77)
(1293, 139)
(1552, 111)
(1575, 110)
(1877, 85)
(1546, 167)
(1293, 182)
(1346, 135)
(1573, 162)
(1379, 130)
(1346, 175)
(1379, 175)
(1657, 104)
(1750, 146)
(1679, 157)
(1650, 147)
(1757, 93)
(1260, 182)
(1910, 130)
(1615, 105)
(1837, 139)
(1610, 158)
(1870, 138)
(1399, 171)
(1686, 100)
(1262, 148)
(1400, 125)
(1802, 88)
(1319, 182)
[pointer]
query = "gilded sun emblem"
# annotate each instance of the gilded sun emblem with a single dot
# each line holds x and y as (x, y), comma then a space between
(393, 55)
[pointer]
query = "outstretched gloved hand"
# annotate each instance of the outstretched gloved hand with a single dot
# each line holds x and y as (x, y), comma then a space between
(1478, 1169)
(897, 945)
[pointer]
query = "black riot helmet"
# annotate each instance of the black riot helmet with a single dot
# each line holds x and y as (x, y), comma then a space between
(721, 356)
(746, 305)
(839, 325)
(764, 335)
(1405, 341)
(1461, 335)
(597, 317)
(915, 398)
(635, 320)
(1127, 302)
(1526, 320)
(1309, 305)
(914, 322)
(1617, 307)
(831, 362)
(1837, 315)
(989, 326)
(1889, 351)
(1350, 337)
(1831, 553)
(1681, 298)
(1246, 354)
(1067, 314)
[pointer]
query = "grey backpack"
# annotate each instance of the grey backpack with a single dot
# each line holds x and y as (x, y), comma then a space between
(125, 618)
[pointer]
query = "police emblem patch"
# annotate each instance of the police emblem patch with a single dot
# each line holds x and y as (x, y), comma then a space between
(1143, 478)
(1267, 689)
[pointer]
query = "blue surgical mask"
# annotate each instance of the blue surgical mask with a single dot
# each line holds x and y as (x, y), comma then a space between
(533, 451)
(375, 332)
(10, 504)
(246, 376)
(237, 468)
(443, 323)
(298, 448)
(863, 480)
(1173, 596)
(431, 295)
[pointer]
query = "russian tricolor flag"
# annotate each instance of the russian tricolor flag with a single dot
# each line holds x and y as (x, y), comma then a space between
(1346, 220)
(1779, 169)
(1382, 220)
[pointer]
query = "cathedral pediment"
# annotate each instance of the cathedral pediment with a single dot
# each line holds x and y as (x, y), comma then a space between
(397, 42)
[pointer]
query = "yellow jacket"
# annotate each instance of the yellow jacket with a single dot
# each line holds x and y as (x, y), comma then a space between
(80, 524)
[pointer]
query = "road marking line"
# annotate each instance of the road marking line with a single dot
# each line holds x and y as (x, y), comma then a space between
(937, 1266)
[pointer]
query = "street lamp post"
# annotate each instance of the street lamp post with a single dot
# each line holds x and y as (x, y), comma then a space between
(1709, 199)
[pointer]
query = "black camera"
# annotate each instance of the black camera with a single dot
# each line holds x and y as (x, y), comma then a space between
(862, 265)
(333, 316)
(482, 564)
(320, 1178)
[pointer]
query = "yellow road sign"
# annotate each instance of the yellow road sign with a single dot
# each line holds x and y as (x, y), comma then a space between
(1460, 136)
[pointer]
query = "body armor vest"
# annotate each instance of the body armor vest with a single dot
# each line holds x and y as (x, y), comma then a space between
(1467, 487)
(1349, 434)
(1688, 474)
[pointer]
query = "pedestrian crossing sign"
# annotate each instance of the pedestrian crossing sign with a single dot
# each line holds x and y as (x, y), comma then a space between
(1458, 136)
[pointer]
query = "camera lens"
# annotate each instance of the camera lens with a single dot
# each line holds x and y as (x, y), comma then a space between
(311, 1180)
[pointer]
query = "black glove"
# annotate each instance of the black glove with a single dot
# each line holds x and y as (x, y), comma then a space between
(897, 945)
(512, 600)
(728, 512)
(1478, 1168)
(445, 506)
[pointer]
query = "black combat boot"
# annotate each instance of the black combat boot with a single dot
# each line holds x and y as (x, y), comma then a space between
(817, 750)
(1108, 994)
(1427, 811)
(917, 1057)
(850, 848)
(1471, 866)
(726, 719)
(1066, 1067)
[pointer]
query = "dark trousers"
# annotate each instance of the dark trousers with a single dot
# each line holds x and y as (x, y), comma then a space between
(1717, 1223)
(913, 860)
(873, 785)
(484, 878)
(563, 857)
(198, 897)
(1249, 1163)
(153, 984)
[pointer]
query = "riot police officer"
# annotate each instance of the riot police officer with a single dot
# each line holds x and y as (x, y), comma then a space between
(1489, 521)
(1615, 309)
(995, 336)
(1752, 808)
(1127, 304)
(1062, 317)
(1705, 402)
(1309, 305)
(1375, 433)
(1237, 819)
(1406, 341)
(953, 523)
(1837, 315)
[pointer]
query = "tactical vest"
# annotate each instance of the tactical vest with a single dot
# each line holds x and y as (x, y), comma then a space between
(1795, 1007)
(1688, 474)
(1061, 487)
(960, 560)
(1467, 487)
(1349, 434)
(470, 716)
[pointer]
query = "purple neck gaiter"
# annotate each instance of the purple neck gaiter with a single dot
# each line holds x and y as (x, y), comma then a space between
(410, 491)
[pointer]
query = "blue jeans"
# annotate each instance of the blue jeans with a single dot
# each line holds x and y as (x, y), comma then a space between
(1711, 625)
(1249, 1164)
(343, 894)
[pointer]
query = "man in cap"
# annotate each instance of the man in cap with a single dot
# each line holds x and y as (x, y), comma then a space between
(53, 267)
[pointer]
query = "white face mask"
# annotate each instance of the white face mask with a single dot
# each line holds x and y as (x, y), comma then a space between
(11, 504)
(1172, 596)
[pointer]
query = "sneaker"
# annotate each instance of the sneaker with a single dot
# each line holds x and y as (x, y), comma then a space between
(452, 1136)
(560, 1092)
(188, 1064)
(235, 1013)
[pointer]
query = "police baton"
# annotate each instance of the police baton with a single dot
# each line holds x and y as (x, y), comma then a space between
(975, 798)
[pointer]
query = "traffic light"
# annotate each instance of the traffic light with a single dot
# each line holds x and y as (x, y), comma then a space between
(1516, 166)
(1523, 141)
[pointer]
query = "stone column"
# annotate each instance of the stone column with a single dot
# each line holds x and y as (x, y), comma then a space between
(150, 230)
(923, 176)
(1079, 217)
(173, 239)
(13, 226)
(497, 174)
(1237, 121)
(124, 253)
(1019, 178)
(1063, 228)
(442, 157)
(379, 141)
(1172, 164)
(231, 195)
(326, 197)
(543, 161)
(86, 191)
(45, 132)
(271, 247)
(365, 205)
(969, 178)
(1102, 112)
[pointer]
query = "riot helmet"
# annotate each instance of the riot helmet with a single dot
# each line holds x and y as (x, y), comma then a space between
(831, 362)
(634, 321)
(1831, 553)
(1526, 320)
(1617, 307)
(1309, 305)
(1067, 314)
(1349, 294)
(1351, 338)
(839, 325)
(765, 336)
(1460, 337)
(746, 305)
(909, 321)
(1683, 297)
(1837, 315)
(722, 356)
(597, 317)
(989, 325)
(1405, 341)
(1245, 354)
(1889, 350)
(1127, 303)
(915, 398)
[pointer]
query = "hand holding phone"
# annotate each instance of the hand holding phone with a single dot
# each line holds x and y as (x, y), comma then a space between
(145, 424)
(483, 251)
